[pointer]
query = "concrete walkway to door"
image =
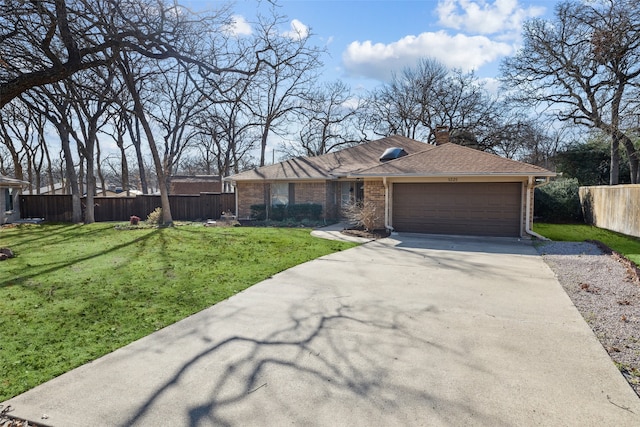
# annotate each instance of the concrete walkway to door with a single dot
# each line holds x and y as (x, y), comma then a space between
(409, 330)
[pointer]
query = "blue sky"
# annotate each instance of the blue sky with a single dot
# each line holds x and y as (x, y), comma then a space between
(367, 40)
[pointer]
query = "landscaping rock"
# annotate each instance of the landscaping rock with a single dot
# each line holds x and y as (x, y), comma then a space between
(604, 287)
(6, 253)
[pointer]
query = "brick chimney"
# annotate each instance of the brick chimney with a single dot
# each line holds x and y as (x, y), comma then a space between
(442, 135)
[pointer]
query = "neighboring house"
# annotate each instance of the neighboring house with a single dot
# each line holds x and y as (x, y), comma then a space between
(60, 188)
(441, 189)
(195, 184)
(9, 203)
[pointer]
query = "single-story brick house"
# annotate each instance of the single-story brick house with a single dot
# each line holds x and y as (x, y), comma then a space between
(9, 204)
(441, 189)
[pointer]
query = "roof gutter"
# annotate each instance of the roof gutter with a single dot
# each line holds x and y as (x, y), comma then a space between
(447, 174)
(527, 227)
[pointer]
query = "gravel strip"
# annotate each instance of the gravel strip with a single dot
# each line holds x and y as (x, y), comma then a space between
(605, 289)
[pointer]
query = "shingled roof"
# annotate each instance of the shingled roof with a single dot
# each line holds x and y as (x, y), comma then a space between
(364, 161)
(452, 159)
(332, 165)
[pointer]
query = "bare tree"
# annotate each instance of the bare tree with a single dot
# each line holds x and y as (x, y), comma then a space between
(53, 103)
(47, 41)
(286, 74)
(583, 65)
(6, 167)
(175, 104)
(419, 99)
(473, 117)
(90, 100)
(22, 133)
(135, 88)
(198, 45)
(120, 125)
(522, 138)
(225, 134)
(407, 104)
(127, 123)
(12, 127)
(328, 120)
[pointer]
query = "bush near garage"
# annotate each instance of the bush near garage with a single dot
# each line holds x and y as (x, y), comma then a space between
(558, 202)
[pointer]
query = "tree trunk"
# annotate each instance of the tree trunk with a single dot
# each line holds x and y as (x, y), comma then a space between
(263, 141)
(124, 165)
(614, 171)
(137, 143)
(89, 211)
(632, 154)
(164, 194)
(49, 167)
(263, 146)
(72, 178)
(167, 219)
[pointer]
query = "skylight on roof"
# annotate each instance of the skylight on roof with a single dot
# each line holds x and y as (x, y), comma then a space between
(392, 153)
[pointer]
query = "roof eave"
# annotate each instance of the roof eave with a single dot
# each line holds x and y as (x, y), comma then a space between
(449, 174)
(286, 179)
(13, 183)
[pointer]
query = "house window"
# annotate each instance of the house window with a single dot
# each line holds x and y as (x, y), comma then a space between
(8, 200)
(279, 193)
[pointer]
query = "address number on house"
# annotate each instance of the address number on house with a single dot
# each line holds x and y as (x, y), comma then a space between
(452, 179)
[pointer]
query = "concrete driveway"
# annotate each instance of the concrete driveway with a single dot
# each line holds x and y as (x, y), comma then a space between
(410, 330)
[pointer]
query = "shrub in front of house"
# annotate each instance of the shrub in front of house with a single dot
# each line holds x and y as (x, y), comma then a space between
(361, 214)
(299, 213)
(558, 202)
(155, 217)
(311, 211)
(259, 212)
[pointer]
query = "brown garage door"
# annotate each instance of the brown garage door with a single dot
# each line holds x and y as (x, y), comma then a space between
(481, 209)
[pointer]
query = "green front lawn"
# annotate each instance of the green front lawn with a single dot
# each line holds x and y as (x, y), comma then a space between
(76, 292)
(626, 245)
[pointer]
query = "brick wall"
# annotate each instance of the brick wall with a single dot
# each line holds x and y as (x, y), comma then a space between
(250, 193)
(256, 193)
(312, 192)
(374, 193)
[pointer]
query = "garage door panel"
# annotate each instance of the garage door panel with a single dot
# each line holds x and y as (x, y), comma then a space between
(458, 208)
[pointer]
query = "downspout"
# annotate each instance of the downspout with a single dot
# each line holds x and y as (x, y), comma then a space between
(386, 204)
(527, 227)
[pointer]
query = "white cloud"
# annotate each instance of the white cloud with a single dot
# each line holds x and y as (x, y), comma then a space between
(239, 26)
(491, 85)
(378, 60)
(485, 17)
(298, 31)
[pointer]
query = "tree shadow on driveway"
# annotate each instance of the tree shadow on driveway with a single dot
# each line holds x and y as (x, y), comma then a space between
(328, 362)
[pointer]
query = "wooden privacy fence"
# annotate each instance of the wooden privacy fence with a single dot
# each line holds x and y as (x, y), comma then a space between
(57, 208)
(614, 207)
